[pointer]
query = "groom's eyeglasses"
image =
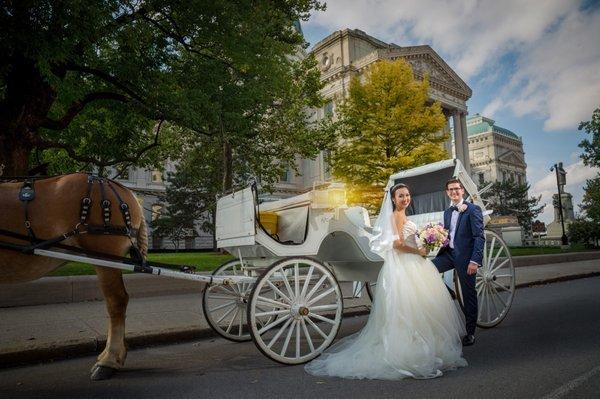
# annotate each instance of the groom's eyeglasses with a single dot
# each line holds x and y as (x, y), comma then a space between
(454, 189)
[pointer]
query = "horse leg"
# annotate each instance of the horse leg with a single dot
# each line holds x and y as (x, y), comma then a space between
(115, 352)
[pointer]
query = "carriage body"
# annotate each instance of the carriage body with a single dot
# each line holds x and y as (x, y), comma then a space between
(299, 249)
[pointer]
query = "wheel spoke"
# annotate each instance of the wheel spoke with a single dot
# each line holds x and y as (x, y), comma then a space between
(272, 302)
(317, 329)
(307, 282)
(226, 314)
(277, 290)
(491, 291)
(500, 286)
(224, 290)
(319, 317)
(273, 324)
(237, 310)
(221, 306)
(281, 330)
(320, 296)
(503, 275)
(500, 250)
(308, 338)
(272, 313)
(497, 295)
(297, 339)
(494, 270)
(287, 338)
(316, 287)
(241, 324)
(287, 285)
(296, 280)
(324, 307)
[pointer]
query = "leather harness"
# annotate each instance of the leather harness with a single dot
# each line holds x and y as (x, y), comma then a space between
(27, 194)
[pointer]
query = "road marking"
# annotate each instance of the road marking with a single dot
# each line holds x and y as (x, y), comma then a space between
(571, 385)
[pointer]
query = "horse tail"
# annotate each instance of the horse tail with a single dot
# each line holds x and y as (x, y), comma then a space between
(142, 235)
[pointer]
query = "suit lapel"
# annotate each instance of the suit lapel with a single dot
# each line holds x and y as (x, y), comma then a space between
(460, 216)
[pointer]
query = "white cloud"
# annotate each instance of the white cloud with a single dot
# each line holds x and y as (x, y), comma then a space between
(554, 45)
(471, 34)
(558, 77)
(577, 174)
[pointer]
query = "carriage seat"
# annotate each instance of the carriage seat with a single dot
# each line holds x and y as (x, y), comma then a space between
(423, 218)
(359, 217)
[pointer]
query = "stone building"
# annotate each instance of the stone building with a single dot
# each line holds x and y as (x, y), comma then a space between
(349, 52)
(496, 153)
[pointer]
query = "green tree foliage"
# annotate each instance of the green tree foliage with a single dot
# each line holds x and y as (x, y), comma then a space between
(91, 80)
(591, 147)
(511, 199)
(585, 229)
(387, 124)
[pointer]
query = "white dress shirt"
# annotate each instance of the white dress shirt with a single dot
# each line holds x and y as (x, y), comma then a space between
(453, 222)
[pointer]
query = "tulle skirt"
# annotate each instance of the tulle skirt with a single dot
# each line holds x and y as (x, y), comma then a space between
(414, 329)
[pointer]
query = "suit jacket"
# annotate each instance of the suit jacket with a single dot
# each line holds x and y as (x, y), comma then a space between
(469, 238)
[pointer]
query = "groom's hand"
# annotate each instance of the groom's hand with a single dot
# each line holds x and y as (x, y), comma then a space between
(472, 268)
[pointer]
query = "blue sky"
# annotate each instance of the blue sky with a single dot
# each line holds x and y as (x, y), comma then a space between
(534, 66)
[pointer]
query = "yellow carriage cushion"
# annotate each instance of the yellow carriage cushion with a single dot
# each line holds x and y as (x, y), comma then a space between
(269, 221)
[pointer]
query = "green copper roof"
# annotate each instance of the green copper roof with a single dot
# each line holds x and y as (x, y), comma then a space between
(477, 124)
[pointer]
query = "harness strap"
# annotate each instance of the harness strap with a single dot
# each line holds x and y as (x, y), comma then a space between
(26, 195)
(105, 204)
(122, 206)
(86, 202)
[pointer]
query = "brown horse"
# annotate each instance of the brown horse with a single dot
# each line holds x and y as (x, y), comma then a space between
(55, 210)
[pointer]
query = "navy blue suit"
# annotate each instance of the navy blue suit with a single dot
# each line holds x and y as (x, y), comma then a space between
(469, 240)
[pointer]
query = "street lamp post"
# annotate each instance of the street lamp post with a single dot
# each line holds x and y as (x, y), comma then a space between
(560, 172)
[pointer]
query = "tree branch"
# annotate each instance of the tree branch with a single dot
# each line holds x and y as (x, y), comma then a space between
(46, 144)
(76, 107)
(106, 77)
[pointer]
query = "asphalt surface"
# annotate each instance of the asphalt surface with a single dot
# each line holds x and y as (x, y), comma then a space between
(547, 347)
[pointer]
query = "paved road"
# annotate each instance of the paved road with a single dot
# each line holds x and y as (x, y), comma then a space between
(548, 346)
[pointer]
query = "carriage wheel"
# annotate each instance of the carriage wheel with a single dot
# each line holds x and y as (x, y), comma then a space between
(309, 309)
(224, 306)
(495, 282)
(371, 290)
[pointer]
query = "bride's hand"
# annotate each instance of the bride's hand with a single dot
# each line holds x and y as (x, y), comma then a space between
(423, 251)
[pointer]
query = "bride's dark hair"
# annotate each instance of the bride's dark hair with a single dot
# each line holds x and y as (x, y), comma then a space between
(395, 188)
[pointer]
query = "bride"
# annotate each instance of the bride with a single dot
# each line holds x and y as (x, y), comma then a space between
(415, 328)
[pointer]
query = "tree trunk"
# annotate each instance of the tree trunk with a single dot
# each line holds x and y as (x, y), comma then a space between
(24, 108)
(227, 166)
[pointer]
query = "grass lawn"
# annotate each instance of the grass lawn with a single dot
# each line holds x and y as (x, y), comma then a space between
(521, 251)
(204, 261)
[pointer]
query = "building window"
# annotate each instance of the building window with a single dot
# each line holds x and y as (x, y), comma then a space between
(285, 175)
(519, 178)
(481, 177)
(157, 176)
(328, 109)
(504, 177)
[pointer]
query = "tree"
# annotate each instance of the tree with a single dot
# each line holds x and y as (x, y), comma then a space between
(108, 65)
(511, 199)
(591, 148)
(585, 228)
(387, 124)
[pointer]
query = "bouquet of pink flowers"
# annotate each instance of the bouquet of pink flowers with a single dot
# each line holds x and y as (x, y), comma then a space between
(433, 236)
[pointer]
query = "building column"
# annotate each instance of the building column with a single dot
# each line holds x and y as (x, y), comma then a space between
(458, 136)
(465, 143)
(448, 143)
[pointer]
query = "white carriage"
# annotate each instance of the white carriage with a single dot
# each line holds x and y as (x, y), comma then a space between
(282, 290)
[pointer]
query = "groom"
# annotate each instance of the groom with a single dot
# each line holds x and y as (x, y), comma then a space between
(464, 253)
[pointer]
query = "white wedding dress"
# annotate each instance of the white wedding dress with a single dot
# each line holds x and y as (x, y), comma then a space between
(414, 329)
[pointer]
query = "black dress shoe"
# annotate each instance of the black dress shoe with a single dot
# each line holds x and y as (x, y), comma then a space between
(468, 340)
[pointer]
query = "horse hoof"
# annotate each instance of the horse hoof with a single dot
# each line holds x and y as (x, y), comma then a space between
(100, 373)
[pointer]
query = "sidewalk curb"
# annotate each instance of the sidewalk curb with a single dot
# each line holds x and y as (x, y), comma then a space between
(94, 346)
